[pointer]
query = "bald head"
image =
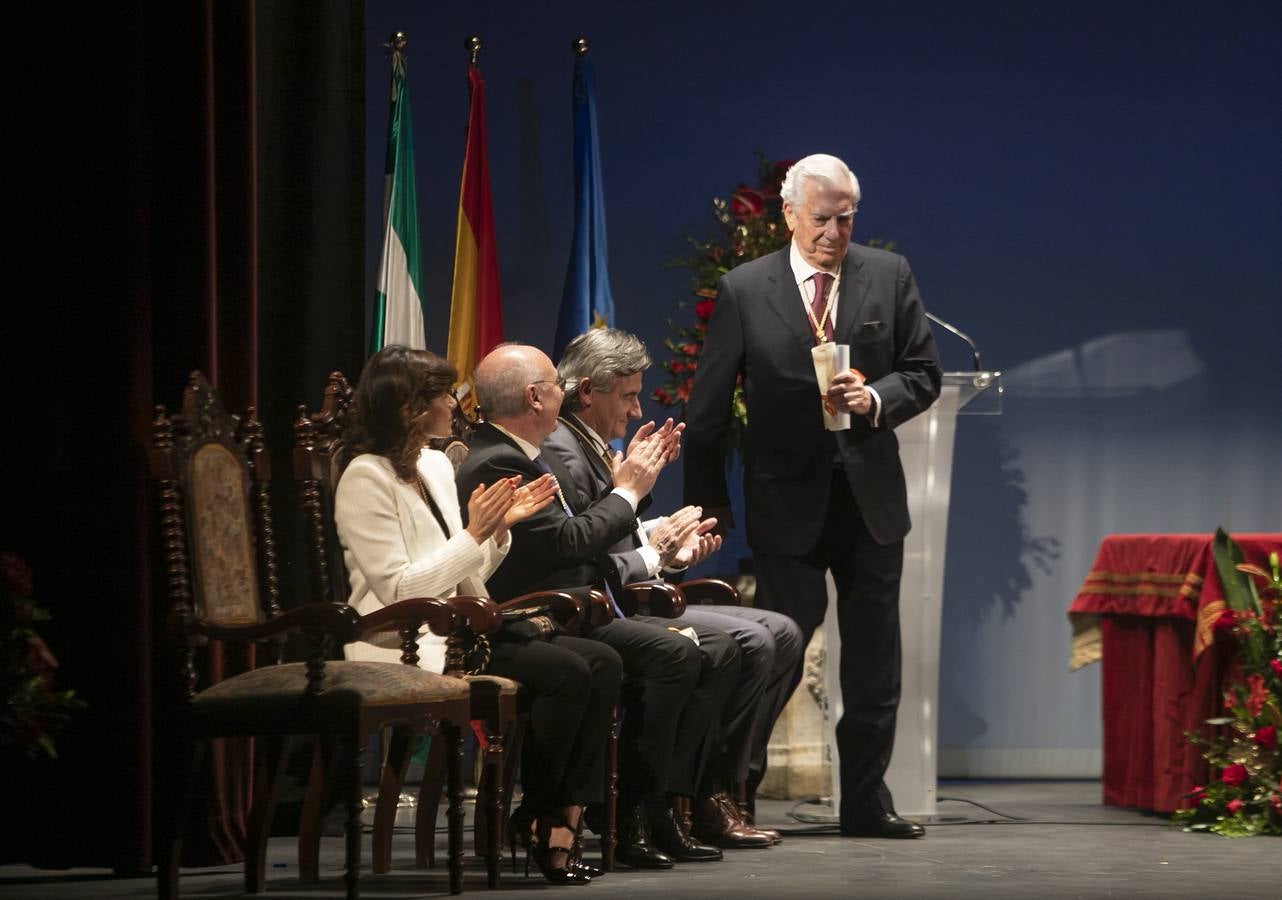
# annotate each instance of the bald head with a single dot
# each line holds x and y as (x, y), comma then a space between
(516, 387)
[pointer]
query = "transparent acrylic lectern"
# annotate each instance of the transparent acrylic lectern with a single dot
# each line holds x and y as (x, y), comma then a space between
(926, 448)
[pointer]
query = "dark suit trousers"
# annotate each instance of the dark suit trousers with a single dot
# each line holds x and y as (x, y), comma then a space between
(770, 659)
(867, 578)
(662, 669)
(569, 686)
(699, 725)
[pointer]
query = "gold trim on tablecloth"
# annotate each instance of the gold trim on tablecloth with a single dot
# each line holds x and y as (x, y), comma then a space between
(1150, 584)
(1087, 645)
(1204, 634)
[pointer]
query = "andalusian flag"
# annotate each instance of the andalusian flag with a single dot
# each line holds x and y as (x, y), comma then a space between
(476, 316)
(398, 305)
(586, 301)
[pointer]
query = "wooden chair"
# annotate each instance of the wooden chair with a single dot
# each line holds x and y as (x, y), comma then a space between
(210, 475)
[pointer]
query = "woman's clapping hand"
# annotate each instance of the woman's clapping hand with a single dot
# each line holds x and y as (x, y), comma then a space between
(487, 507)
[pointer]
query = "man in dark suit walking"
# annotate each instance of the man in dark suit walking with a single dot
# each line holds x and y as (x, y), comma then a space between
(820, 500)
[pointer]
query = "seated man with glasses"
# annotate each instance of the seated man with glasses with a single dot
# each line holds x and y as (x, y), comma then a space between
(678, 682)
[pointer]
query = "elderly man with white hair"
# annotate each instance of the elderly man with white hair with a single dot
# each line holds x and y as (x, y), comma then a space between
(822, 500)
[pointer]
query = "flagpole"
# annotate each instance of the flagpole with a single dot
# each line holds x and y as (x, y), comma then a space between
(580, 46)
(473, 47)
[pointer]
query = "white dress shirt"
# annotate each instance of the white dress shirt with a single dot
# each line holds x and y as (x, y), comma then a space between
(803, 273)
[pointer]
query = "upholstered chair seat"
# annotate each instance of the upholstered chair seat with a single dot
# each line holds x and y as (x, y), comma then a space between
(274, 699)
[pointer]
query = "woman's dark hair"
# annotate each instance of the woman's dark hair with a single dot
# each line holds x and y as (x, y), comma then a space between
(397, 384)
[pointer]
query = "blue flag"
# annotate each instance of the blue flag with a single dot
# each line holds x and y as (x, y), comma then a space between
(586, 301)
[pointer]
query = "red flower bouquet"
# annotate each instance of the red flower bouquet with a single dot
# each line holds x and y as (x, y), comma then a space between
(1247, 798)
(33, 708)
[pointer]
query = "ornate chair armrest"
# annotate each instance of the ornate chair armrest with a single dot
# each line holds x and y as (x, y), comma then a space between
(337, 621)
(654, 598)
(600, 612)
(699, 591)
(480, 615)
(410, 615)
(563, 607)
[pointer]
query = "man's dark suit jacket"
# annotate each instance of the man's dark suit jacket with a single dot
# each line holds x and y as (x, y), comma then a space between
(759, 328)
(575, 451)
(550, 550)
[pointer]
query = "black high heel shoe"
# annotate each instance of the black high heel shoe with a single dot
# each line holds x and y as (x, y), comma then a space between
(520, 833)
(576, 856)
(542, 852)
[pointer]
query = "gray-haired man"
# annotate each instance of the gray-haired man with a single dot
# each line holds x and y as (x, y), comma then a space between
(601, 372)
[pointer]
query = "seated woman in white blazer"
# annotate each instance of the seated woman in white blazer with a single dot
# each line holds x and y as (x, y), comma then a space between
(402, 534)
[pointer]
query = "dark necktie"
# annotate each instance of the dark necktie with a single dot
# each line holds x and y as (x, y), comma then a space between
(539, 461)
(819, 305)
(609, 464)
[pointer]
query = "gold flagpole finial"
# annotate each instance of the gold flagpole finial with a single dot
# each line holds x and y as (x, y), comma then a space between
(395, 47)
(580, 46)
(473, 46)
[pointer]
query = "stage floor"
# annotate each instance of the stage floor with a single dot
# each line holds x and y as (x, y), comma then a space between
(1044, 839)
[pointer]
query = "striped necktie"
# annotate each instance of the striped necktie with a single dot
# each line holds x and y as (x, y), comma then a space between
(819, 305)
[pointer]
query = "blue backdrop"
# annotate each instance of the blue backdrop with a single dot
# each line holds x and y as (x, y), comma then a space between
(1091, 190)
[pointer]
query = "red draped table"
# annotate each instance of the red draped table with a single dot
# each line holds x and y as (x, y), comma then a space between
(1145, 613)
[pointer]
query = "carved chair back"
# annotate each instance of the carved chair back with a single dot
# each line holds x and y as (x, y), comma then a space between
(318, 450)
(211, 473)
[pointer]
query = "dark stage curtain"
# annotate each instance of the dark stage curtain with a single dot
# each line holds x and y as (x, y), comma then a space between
(189, 184)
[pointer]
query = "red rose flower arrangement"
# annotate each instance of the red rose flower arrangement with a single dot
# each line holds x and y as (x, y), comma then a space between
(751, 225)
(1247, 797)
(32, 708)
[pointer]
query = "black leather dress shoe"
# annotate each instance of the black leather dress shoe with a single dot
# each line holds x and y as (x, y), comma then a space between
(672, 839)
(635, 848)
(886, 825)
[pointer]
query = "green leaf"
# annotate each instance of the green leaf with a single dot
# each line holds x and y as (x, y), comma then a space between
(1239, 592)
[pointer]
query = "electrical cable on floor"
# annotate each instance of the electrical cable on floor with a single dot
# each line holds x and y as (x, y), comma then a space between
(825, 825)
(988, 809)
(822, 824)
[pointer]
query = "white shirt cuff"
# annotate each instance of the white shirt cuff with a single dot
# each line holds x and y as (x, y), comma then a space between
(627, 495)
(875, 412)
(650, 557)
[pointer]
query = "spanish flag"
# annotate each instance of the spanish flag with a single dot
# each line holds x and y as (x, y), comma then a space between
(476, 315)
